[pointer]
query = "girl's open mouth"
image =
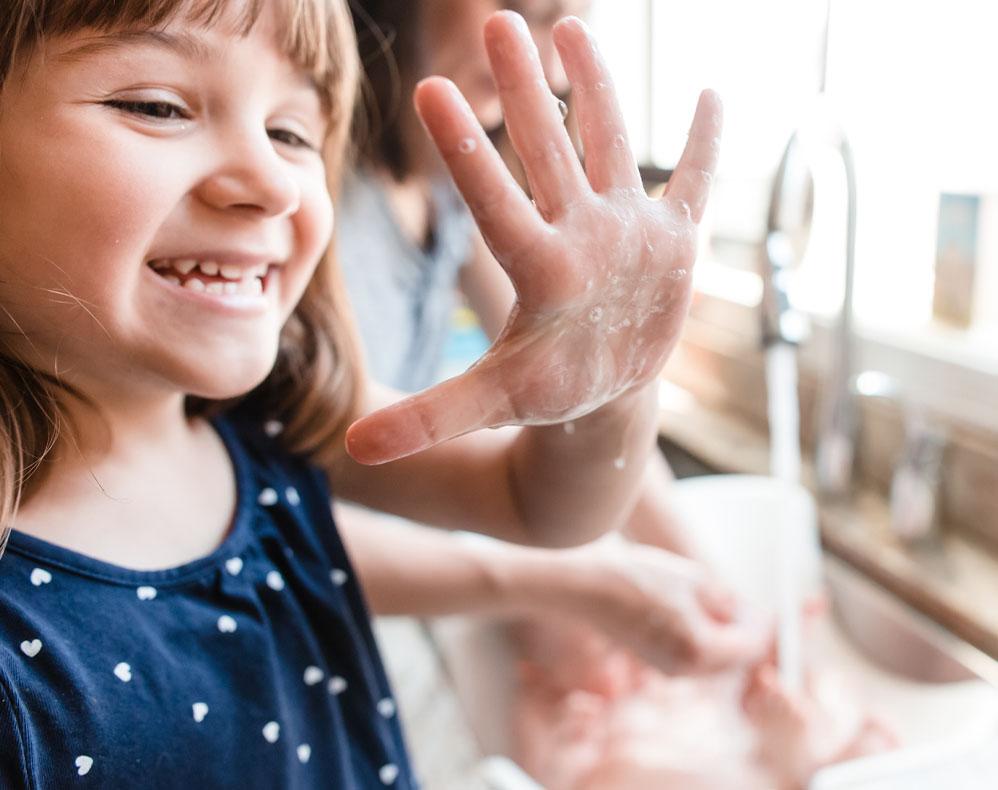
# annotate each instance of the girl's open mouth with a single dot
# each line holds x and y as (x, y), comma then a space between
(211, 277)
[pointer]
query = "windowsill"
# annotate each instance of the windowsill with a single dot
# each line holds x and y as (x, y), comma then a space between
(949, 372)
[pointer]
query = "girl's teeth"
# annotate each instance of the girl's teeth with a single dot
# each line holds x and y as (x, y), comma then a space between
(171, 279)
(215, 288)
(195, 284)
(209, 267)
(185, 265)
(229, 271)
(229, 288)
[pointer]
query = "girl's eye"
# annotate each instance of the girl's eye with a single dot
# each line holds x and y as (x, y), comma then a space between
(159, 110)
(289, 138)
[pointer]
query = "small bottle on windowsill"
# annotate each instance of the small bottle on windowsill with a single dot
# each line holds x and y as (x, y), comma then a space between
(957, 252)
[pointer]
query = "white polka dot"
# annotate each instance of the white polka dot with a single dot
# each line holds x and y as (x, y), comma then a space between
(338, 576)
(291, 494)
(226, 624)
(273, 428)
(30, 649)
(267, 497)
(123, 672)
(40, 576)
(234, 565)
(336, 685)
(272, 731)
(275, 581)
(146, 593)
(386, 707)
(304, 753)
(313, 675)
(388, 773)
(200, 711)
(83, 764)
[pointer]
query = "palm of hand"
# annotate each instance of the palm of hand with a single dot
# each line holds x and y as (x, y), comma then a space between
(601, 271)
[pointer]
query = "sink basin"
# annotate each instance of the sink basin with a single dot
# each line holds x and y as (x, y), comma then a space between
(937, 692)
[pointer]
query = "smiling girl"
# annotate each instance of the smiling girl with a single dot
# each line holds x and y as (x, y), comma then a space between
(177, 378)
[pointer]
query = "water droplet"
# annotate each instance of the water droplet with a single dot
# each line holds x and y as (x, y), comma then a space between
(600, 86)
(685, 208)
(649, 246)
(619, 141)
(467, 145)
(569, 428)
(595, 314)
(619, 463)
(563, 109)
(676, 274)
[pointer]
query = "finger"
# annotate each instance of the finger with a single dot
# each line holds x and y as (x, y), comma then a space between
(452, 408)
(690, 182)
(609, 161)
(503, 212)
(717, 601)
(533, 119)
(726, 647)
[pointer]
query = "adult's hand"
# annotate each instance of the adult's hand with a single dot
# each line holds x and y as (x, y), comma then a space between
(666, 609)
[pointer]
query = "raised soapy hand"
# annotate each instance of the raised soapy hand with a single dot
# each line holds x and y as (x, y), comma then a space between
(601, 272)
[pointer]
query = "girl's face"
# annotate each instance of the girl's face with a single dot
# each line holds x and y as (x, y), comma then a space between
(127, 158)
(456, 50)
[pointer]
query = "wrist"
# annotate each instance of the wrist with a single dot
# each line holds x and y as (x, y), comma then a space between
(528, 581)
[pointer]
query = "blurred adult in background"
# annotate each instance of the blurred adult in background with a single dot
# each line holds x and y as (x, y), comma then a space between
(408, 245)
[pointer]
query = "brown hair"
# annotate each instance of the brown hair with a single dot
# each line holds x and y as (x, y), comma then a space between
(390, 46)
(315, 385)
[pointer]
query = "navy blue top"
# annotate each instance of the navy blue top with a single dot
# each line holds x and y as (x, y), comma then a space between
(252, 667)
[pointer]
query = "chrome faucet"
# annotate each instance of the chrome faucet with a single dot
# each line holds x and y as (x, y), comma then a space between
(835, 451)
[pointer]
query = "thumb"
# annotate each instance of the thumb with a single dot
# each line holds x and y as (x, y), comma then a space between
(452, 408)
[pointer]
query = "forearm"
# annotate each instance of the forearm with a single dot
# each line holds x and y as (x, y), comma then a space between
(422, 572)
(576, 481)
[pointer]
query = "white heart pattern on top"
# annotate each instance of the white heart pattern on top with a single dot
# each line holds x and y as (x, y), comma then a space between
(200, 711)
(83, 764)
(272, 731)
(234, 565)
(273, 428)
(40, 576)
(275, 581)
(304, 753)
(336, 685)
(123, 672)
(313, 675)
(146, 593)
(338, 576)
(388, 773)
(267, 497)
(30, 649)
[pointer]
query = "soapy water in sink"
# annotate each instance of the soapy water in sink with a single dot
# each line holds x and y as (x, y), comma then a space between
(588, 716)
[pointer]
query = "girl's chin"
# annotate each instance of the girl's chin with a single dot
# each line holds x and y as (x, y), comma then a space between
(226, 383)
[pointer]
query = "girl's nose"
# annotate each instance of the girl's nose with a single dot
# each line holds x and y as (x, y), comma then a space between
(253, 177)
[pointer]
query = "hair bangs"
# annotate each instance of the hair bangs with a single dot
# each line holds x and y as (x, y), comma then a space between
(317, 35)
